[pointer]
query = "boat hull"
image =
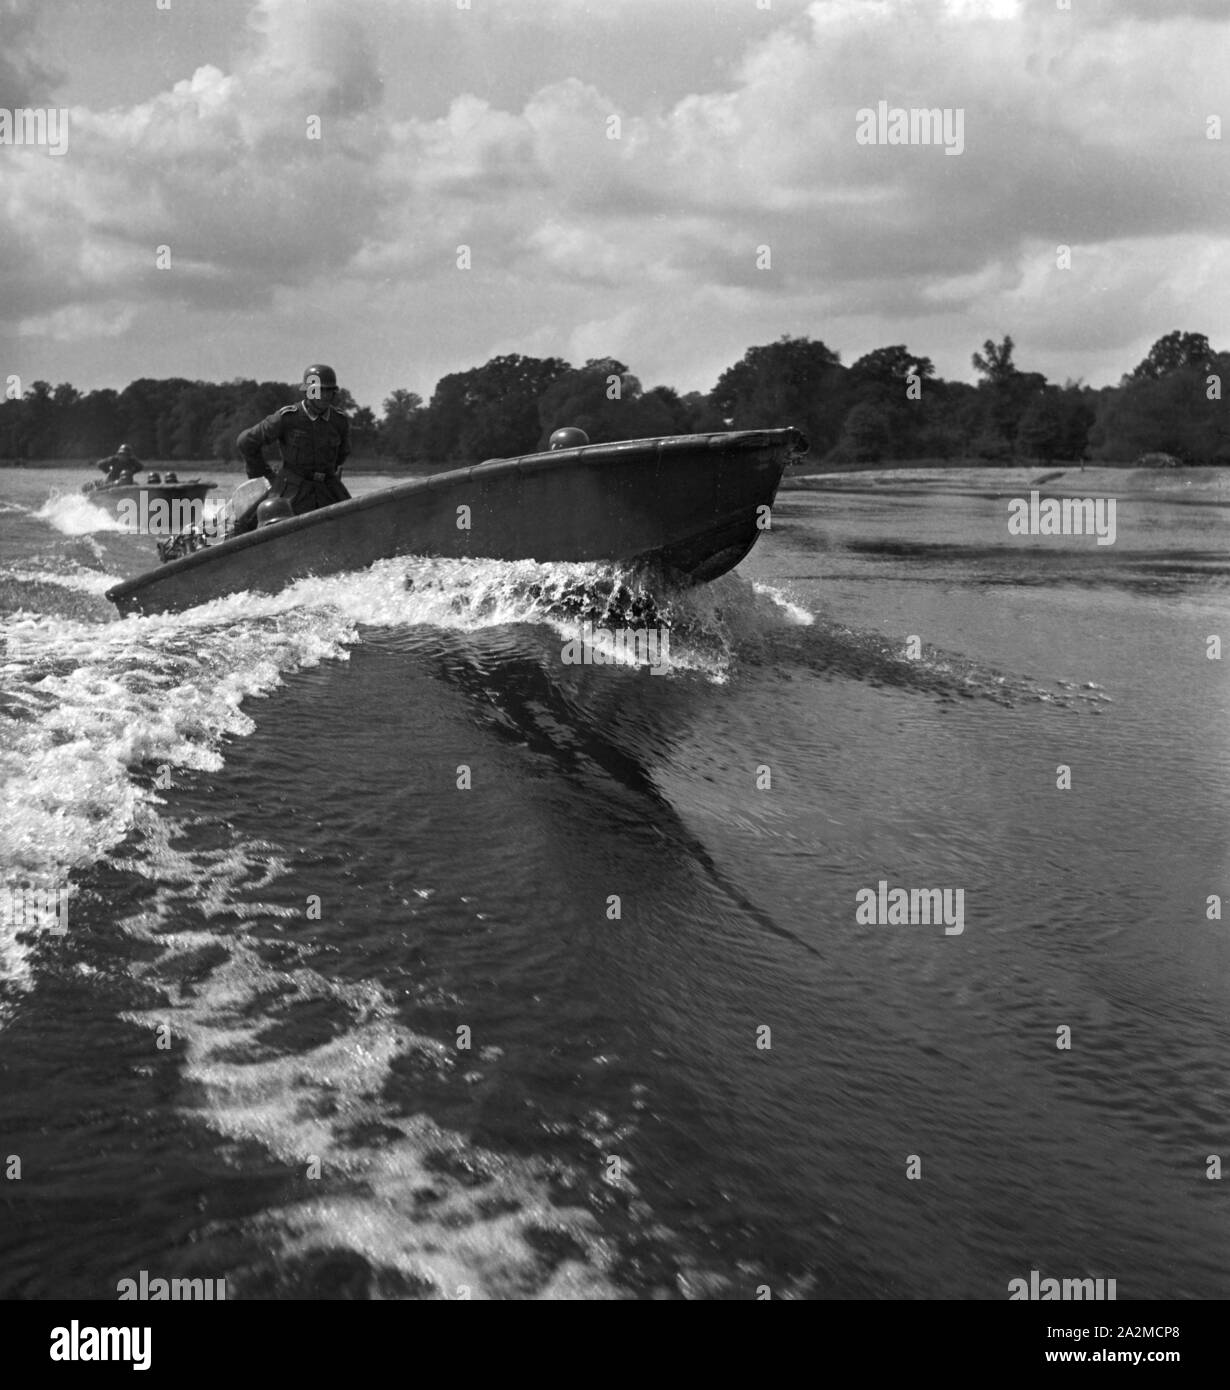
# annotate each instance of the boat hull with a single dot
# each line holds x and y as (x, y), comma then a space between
(119, 498)
(688, 504)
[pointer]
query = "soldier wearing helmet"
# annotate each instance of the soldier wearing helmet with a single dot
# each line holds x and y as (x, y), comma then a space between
(569, 437)
(120, 467)
(313, 437)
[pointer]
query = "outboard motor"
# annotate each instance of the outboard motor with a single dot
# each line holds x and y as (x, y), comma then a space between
(273, 509)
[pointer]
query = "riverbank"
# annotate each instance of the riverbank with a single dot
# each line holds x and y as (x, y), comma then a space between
(1193, 484)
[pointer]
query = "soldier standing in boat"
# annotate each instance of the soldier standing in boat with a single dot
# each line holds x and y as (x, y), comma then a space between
(119, 467)
(314, 439)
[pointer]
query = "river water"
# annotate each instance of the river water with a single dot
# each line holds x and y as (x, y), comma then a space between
(405, 959)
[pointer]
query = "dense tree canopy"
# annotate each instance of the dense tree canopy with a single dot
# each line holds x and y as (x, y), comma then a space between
(1180, 411)
(605, 400)
(1172, 353)
(889, 405)
(793, 381)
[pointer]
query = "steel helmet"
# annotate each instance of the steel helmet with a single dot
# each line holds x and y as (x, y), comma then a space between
(273, 509)
(318, 378)
(123, 449)
(568, 438)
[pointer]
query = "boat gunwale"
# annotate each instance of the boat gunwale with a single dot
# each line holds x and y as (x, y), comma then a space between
(110, 489)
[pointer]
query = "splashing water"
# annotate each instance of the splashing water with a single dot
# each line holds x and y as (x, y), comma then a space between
(88, 706)
(73, 514)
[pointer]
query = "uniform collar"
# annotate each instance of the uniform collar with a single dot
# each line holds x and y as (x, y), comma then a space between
(325, 411)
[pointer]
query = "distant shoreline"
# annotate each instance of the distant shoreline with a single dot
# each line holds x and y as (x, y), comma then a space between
(217, 467)
(1209, 484)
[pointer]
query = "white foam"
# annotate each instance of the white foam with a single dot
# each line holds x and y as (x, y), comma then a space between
(73, 514)
(306, 1107)
(795, 613)
(470, 595)
(89, 702)
(84, 581)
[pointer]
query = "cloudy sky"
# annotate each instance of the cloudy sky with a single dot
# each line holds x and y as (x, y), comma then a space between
(490, 127)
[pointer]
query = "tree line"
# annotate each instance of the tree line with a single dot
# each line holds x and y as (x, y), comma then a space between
(887, 406)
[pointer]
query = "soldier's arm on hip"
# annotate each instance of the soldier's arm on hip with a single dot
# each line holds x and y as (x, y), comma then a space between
(251, 442)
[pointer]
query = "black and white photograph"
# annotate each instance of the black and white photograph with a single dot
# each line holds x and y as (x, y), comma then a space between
(615, 633)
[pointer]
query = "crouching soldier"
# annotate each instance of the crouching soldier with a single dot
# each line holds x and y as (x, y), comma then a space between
(314, 439)
(120, 467)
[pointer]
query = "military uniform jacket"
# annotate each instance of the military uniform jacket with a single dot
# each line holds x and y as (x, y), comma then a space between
(314, 448)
